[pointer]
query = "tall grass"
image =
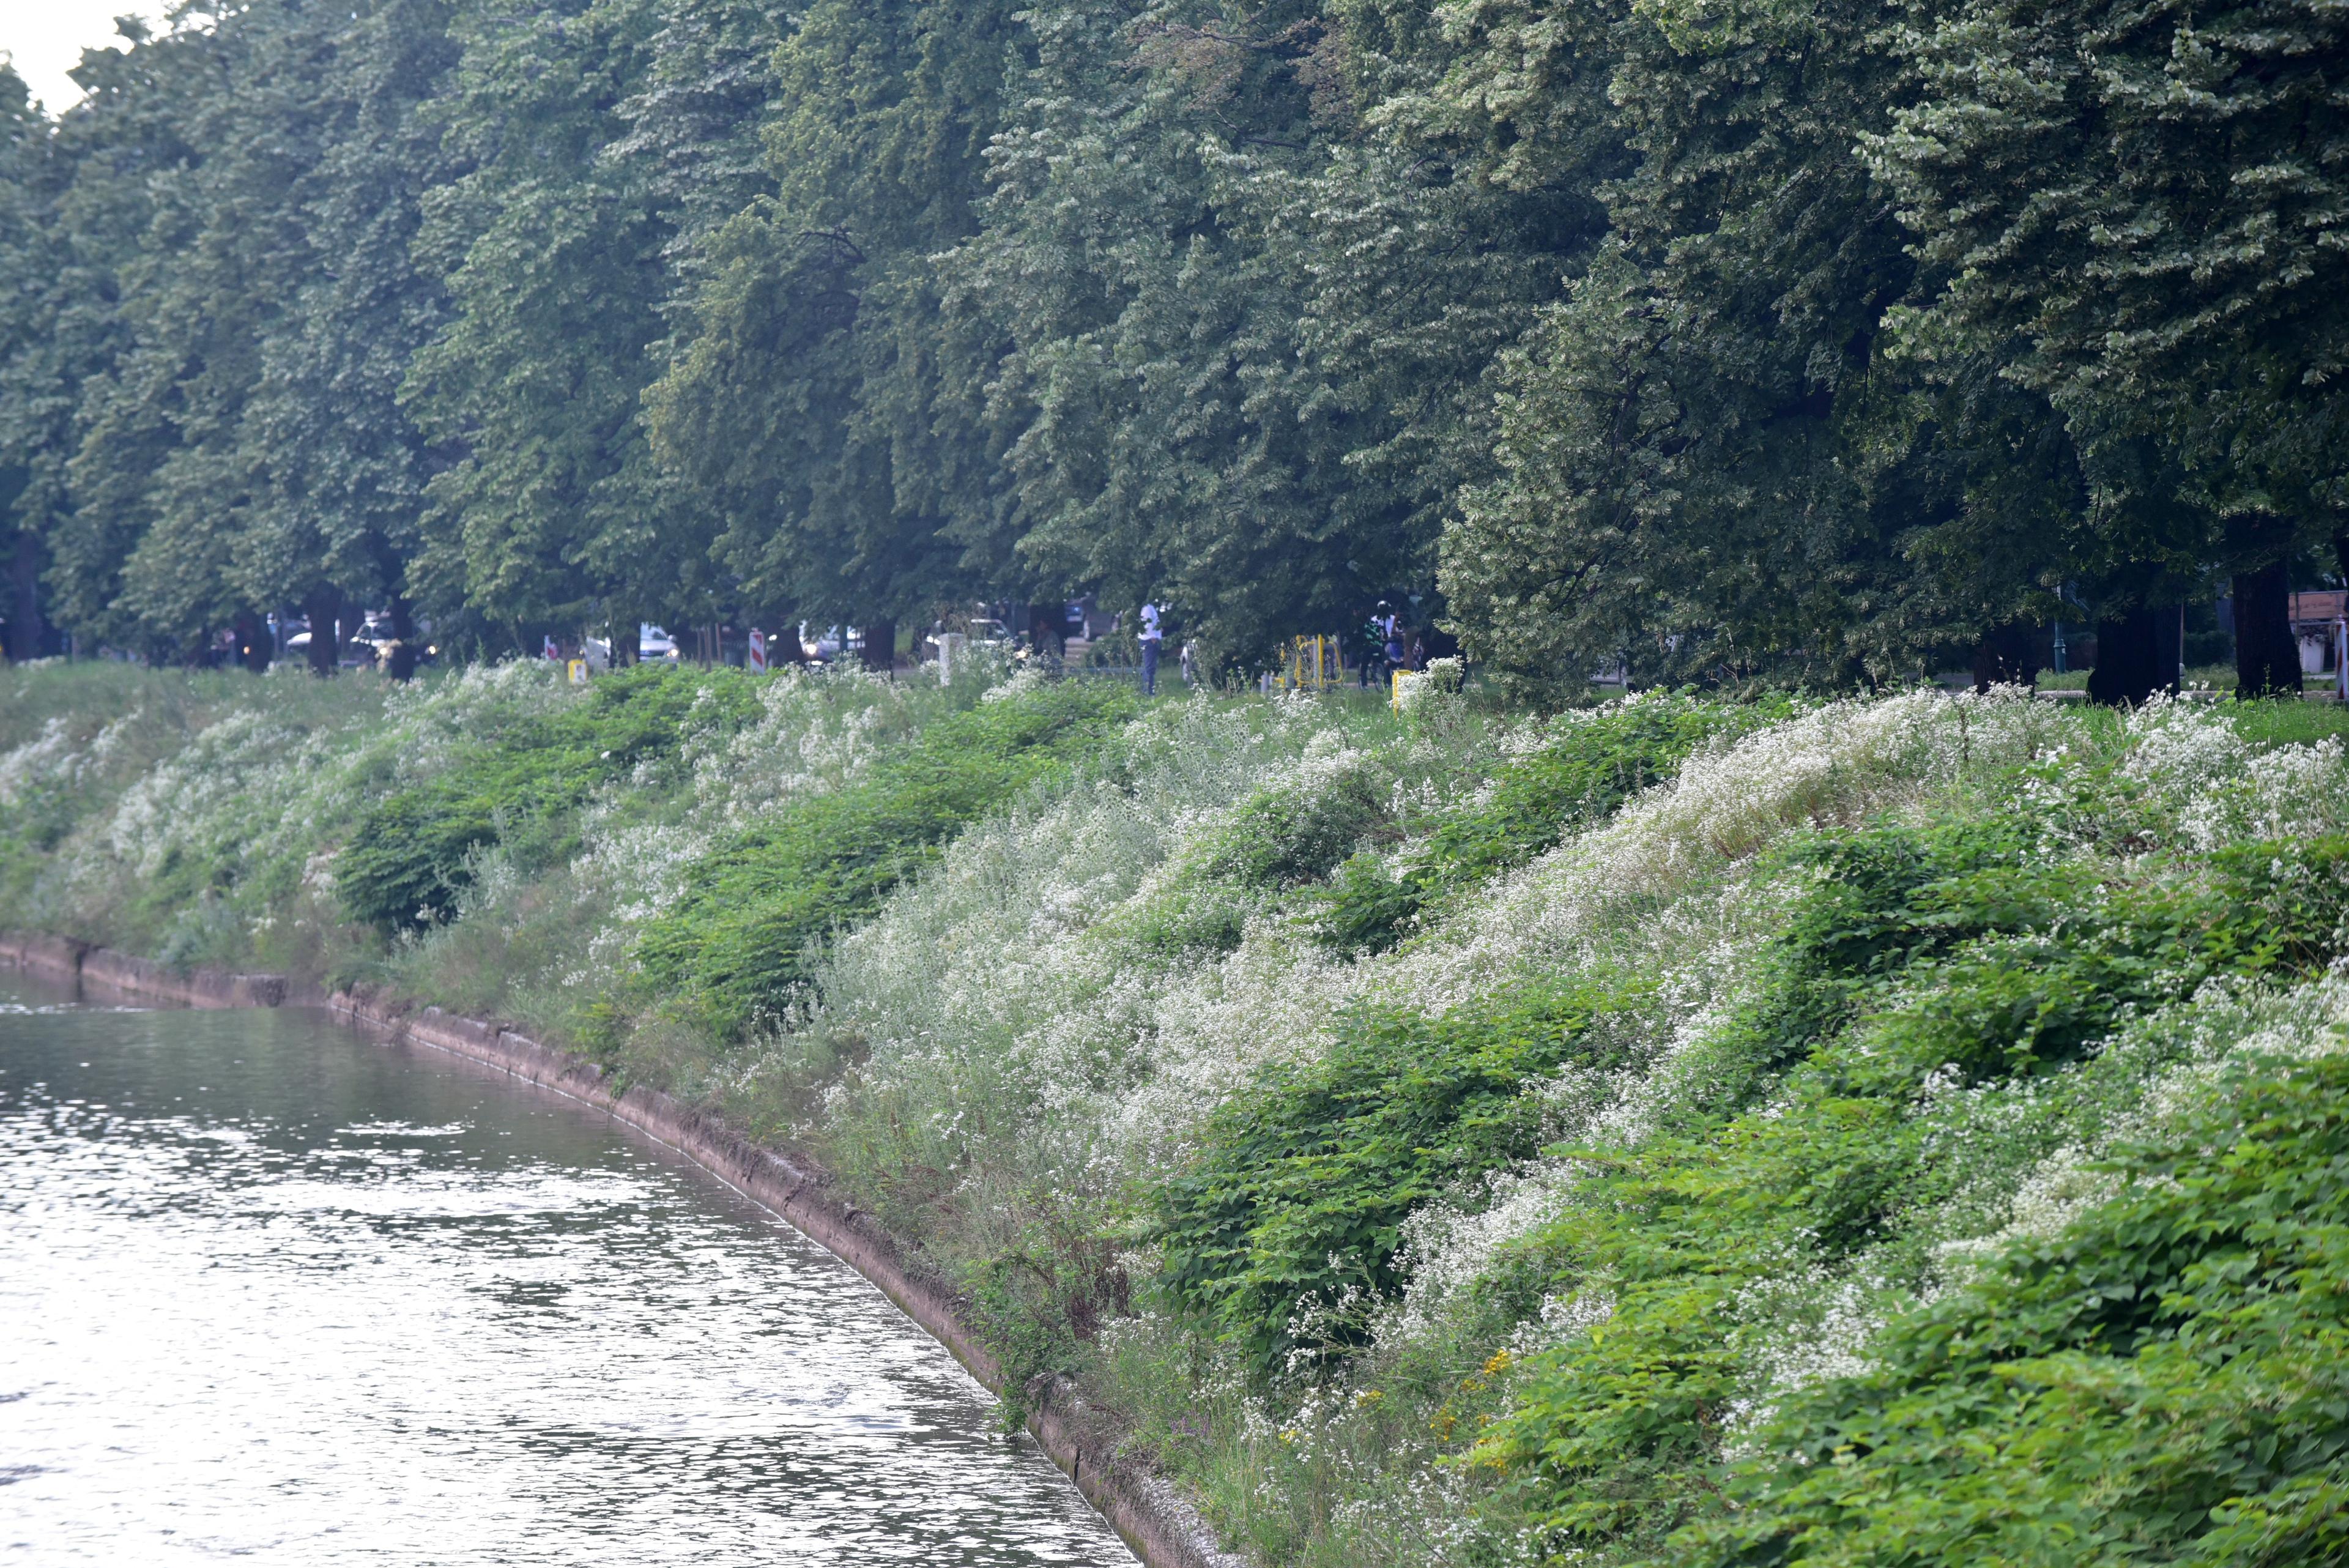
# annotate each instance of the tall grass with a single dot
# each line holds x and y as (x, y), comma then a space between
(1451, 1136)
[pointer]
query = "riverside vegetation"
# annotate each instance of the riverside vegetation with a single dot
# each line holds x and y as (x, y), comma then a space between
(1907, 1130)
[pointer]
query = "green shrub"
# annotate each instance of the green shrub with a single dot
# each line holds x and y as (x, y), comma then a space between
(1601, 760)
(1297, 1198)
(2164, 1382)
(757, 909)
(1274, 846)
(522, 786)
(1283, 837)
(1948, 955)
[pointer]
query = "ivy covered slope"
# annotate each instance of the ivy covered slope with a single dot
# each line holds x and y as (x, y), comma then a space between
(1891, 1131)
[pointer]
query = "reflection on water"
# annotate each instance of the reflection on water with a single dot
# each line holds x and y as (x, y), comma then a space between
(274, 1289)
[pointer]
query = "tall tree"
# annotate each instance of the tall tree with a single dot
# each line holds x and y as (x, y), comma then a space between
(1709, 465)
(339, 469)
(694, 140)
(126, 156)
(553, 255)
(808, 410)
(29, 252)
(1247, 327)
(2140, 210)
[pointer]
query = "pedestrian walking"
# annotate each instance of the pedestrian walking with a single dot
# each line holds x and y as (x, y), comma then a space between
(1382, 633)
(1151, 634)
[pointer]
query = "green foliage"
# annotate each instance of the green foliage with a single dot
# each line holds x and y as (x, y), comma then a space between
(2116, 200)
(1274, 849)
(1703, 465)
(521, 787)
(1600, 760)
(1921, 962)
(553, 255)
(1282, 837)
(2164, 1382)
(2287, 723)
(815, 406)
(757, 909)
(1284, 1229)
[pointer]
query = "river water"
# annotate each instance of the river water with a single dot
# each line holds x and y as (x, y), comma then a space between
(274, 1290)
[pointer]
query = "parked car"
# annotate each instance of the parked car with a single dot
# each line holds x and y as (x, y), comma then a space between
(653, 645)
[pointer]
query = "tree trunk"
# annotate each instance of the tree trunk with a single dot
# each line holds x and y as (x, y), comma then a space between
(2007, 656)
(24, 629)
(2267, 656)
(402, 665)
(2136, 656)
(881, 645)
(252, 644)
(626, 648)
(320, 607)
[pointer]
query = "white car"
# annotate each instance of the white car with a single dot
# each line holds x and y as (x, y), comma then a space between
(652, 643)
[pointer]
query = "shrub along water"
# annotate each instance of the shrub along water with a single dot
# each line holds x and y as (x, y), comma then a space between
(1891, 1131)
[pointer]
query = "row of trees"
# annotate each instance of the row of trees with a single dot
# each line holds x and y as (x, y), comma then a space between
(1829, 340)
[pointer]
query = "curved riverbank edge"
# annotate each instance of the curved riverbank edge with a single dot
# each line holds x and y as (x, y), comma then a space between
(1083, 1439)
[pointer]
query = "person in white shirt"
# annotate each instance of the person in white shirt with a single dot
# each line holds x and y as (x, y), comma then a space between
(1151, 634)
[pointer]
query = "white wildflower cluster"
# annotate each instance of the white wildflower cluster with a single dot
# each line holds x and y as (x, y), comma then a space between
(1830, 767)
(2217, 788)
(1801, 1322)
(429, 725)
(59, 759)
(1009, 976)
(1448, 1247)
(815, 731)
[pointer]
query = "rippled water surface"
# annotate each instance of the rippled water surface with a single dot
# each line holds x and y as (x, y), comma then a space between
(274, 1289)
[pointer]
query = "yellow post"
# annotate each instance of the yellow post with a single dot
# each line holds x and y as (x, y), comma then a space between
(1310, 664)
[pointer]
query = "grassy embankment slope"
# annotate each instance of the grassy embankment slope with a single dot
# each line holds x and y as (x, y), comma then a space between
(1894, 1132)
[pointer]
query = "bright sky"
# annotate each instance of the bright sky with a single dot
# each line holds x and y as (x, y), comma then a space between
(44, 39)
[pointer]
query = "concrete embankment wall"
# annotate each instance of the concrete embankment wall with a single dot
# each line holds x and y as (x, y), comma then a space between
(1083, 1440)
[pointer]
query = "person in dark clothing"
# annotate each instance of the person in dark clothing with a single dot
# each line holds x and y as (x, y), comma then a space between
(1385, 653)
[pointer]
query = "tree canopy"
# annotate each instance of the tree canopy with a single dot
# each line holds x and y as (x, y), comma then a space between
(1824, 343)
